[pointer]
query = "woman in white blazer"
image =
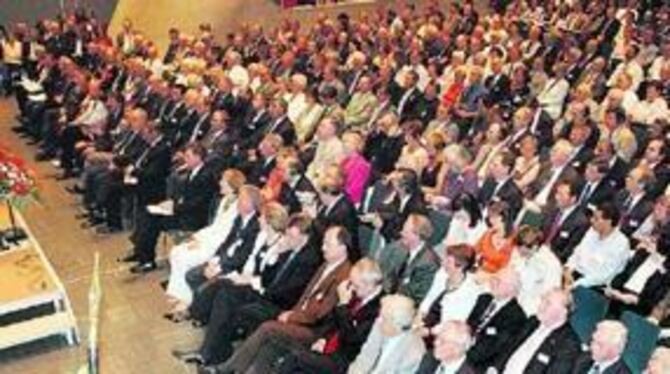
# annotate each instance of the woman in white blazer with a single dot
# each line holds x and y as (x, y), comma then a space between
(202, 245)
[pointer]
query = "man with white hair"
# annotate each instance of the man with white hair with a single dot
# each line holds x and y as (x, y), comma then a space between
(392, 346)
(558, 167)
(496, 317)
(452, 341)
(607, 345)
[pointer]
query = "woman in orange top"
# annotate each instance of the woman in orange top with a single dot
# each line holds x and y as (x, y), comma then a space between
(494, 249)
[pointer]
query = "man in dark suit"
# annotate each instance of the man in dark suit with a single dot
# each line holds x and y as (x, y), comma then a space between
(407, 198)
(220, 141)
(333, 208)
(279, 124)
(607, 345)
(633, 202)
(254, 120)
(293, 348)
(408, 100)
(315, 303)
(597, 188)
(500, 185)
(566, 224)
(147, 175)
(495, 318)
(497, 84)
(452, 341)
(655, 158)
(232, 254)
(189, 212)
(295, 185)
(261, 161)
(541, 126)
(546, 343)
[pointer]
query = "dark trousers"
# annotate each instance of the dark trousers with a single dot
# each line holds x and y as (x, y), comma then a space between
(68, 139)
(148, 229)
(236, 311)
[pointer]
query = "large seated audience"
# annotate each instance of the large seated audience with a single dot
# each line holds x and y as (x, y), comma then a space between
(420, 189)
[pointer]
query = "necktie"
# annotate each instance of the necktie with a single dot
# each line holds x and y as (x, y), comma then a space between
(586, 193)
(555, 227)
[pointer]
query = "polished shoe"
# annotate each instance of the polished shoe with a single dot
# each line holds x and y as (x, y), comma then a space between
(191, 357)
(143, 268)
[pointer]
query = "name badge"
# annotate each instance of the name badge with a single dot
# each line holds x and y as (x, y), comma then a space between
(634, 223)
(491, 331)
(319, 296)
(405, 280)
(564, 234)
(543, 358)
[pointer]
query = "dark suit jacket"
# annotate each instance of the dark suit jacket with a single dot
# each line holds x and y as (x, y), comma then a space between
(652, 292)
(498, 89)
(413, 106)
(151, 173)
(250, 129)
(281, 126)
(258, 171)
(429, 365)
(603, 191)
(352, 328)
(394, 216)
(288, 196)
(556, 354)
(546, 170)
(192, 204)
(509, 192)
(375, 197)
(320, 297)
(287, 279)
(570, 233)
(543, 130)
(584, 363)
(493, 336)
(240, 241)
(632, 218)
(343, 213)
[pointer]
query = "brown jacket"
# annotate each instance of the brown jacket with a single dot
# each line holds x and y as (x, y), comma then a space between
(319, 299)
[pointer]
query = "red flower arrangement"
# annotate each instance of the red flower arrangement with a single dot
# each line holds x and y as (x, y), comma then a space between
(17, 182)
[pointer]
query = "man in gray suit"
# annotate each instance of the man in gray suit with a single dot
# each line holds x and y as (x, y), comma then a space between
(410, 264)
(392, 346)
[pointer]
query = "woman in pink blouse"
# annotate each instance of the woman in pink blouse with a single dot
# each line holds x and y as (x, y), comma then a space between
(355, 167)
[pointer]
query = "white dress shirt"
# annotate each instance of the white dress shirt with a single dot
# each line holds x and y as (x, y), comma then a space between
(598, 259)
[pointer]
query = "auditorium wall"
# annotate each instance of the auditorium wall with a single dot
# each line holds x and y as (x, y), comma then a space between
(155, 17)
(31, 11)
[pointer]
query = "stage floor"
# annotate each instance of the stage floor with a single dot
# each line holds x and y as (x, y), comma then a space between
(134, 338)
